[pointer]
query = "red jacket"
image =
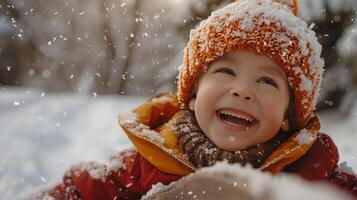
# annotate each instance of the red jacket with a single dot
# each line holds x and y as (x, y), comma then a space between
(131, 173)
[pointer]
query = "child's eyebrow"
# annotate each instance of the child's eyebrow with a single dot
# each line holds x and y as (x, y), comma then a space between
(274, 71)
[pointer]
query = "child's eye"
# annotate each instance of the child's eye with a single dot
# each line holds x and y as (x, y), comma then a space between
(269, 81)
(225, 70)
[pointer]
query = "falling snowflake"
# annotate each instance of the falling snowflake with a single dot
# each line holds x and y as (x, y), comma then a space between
(94, 94)
(43, 179)
(157, 16)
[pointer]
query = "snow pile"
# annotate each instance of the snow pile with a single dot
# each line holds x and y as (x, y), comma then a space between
(158, 188)
(229, 181)
(42, 137)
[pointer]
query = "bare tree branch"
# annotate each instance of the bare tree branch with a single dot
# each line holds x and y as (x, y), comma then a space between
(135, 29)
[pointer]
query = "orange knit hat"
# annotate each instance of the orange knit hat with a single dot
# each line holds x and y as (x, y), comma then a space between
(264, 26)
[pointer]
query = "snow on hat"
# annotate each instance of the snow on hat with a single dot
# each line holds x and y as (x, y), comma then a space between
(266, 27)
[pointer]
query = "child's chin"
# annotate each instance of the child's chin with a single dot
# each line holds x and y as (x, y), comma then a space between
(230, 146)
(234, 148)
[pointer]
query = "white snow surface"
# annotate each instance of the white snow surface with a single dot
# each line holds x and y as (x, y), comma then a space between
(256, 184)
(260, 184)
(43, 134)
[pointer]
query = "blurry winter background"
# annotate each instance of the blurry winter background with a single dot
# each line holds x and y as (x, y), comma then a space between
(68, 67)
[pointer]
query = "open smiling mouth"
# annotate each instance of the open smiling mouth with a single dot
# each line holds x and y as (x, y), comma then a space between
(234, 119)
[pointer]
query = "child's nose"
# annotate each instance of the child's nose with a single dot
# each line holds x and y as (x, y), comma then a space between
(241, 93)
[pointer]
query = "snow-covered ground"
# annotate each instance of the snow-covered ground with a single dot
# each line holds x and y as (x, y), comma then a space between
(44, 134)
(227, 181)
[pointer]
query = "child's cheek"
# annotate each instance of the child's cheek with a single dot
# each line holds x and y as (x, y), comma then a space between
(274, 110)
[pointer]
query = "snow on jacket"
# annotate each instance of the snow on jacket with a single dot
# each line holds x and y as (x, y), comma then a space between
(157, 158)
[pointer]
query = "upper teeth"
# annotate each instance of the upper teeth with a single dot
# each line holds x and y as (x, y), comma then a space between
(238, 116)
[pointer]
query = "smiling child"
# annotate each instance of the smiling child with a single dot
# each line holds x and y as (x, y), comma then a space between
(247, 91)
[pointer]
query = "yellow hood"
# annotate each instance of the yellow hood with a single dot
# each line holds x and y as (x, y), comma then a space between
(147, 128)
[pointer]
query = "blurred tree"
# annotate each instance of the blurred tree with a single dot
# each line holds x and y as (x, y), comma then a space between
(106, 46)
(14, 52)
(347, 49)
(337, 82)
(194, 13)
(131, 47)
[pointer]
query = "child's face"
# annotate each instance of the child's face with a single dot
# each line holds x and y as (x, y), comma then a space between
(241, 84)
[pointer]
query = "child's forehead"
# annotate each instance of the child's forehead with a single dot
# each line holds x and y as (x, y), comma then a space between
(244, 55)
(239, 58)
